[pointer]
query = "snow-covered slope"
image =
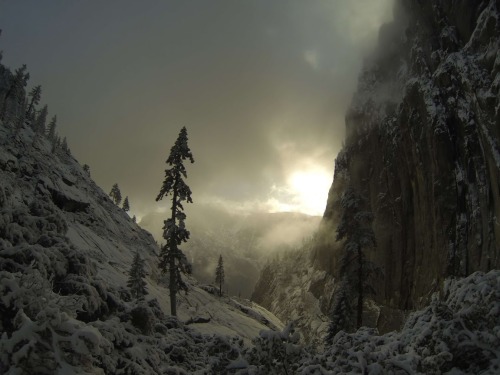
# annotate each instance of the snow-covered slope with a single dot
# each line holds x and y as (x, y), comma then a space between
(65, 253)
(458, 333)
(286, 287)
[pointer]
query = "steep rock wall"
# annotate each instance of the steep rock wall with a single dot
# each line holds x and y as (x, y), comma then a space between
(423, 148)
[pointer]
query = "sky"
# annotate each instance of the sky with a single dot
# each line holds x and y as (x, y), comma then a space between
(262, 87)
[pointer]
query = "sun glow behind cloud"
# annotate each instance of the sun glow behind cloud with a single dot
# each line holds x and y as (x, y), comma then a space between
(306, 191)
(311, 190)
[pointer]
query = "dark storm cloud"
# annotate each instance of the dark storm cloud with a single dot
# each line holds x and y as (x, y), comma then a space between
(260, 85)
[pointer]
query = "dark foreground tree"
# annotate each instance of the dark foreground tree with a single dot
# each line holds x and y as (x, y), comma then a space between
(172, 259)
(219, 274)
(115, 194)
(341, 314)
(355, 227)
(137, 274)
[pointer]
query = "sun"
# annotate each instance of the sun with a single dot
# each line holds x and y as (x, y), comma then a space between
(309, 189)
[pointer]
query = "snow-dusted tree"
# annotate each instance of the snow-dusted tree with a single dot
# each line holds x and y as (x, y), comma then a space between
(126, 205)
(277, 352)
(219, 274)
(13, 102)
(136, 277)
(172, 259)
(51, 129)
(35, 96)
(115, 194)
(134, 219)
(355, 228)
(40, 121)
(341, 313)
(64, 146)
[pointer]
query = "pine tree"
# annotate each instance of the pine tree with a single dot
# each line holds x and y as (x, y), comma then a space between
(15, 97)
(137, 274)
(65, 147)
(51, 129)
(341, 314)
(355, 228)
(219, 274)
(126, 206)
(41, 119)
(35, 94)
(172, 259)
(115, 194)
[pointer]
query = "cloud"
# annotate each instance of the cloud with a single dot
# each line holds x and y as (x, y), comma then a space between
(261, 86)
(312, 58)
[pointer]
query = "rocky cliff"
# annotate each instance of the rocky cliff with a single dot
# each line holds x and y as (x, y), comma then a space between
(423, 148)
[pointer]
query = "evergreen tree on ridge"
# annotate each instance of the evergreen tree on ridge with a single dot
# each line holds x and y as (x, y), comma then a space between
(172, 259)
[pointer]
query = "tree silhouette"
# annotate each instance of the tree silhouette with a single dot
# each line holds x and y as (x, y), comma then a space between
(355, 228)
(126, 205)
(137, 274)
(219, 274)
(115, 194)
(172, 259)
(14, 99)
(51, 129)
(40, 121)
(65, 148)
(35, 95)
(341, 313)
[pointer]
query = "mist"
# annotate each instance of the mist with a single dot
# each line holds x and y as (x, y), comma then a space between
(246, 241)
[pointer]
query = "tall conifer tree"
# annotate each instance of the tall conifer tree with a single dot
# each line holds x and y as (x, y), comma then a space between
(355, 228)
(172, 259)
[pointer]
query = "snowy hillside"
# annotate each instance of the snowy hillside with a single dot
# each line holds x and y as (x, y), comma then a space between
(286, 287)
(65, 253)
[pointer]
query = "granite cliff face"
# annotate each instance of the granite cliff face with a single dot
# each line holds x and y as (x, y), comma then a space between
(423, 147)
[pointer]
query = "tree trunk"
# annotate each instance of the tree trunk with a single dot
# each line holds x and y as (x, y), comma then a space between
(171, 269)
(360, 288)
(220, 289)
